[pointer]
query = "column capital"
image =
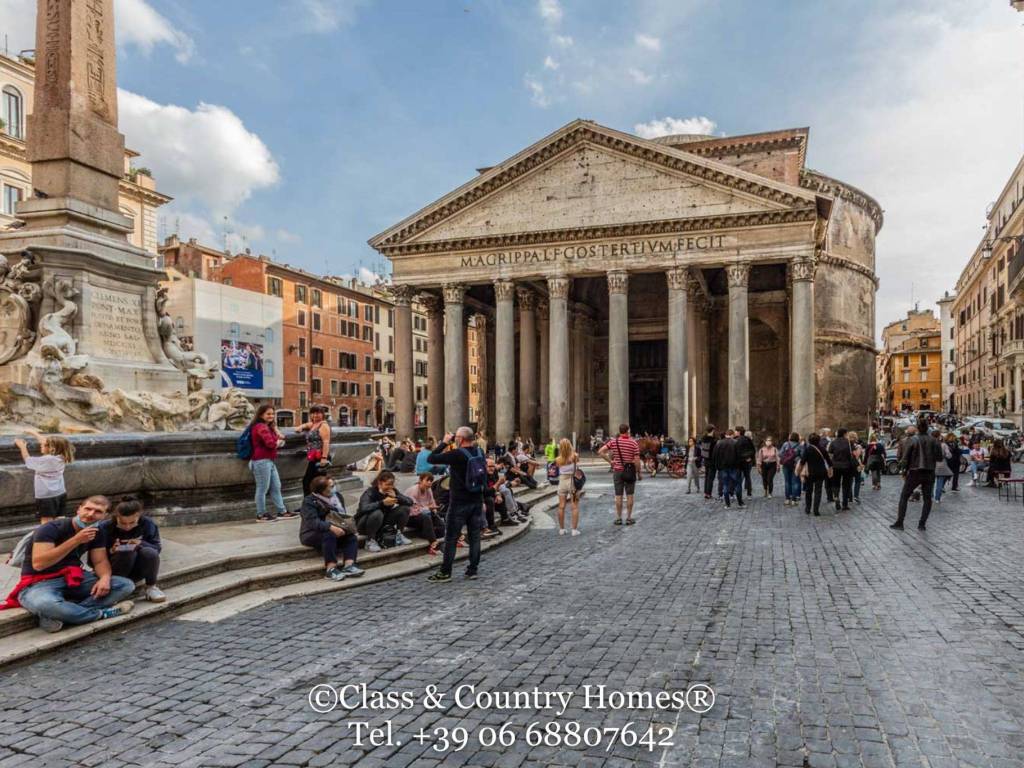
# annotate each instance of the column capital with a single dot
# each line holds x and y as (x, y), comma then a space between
(558, 287)
(504, 290)
(802, 269)
(454, 293)
(618, 281)
(402, 295)
(678, 278)
(543, 309)
(432, 304)
(694, 290)
(738, 274)
(527, 299)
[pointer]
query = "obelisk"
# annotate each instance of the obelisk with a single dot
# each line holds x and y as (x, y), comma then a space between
(73, 226)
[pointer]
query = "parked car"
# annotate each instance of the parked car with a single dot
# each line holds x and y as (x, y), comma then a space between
(993, 427)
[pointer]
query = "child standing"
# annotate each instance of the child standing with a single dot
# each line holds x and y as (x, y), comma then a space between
(50, 493)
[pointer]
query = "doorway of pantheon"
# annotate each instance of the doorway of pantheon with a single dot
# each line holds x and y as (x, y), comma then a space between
(648, 373)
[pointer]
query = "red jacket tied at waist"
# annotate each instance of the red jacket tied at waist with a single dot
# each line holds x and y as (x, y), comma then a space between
(72, 574)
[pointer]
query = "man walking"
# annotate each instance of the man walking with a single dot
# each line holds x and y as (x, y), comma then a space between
(920, 453)
(468, 479)
(707, 451)
(623, 453)
(841, 453)
(745, 451)
(728, 461)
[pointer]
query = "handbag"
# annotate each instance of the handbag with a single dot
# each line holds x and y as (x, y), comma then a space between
(579, 479)
(347, 523)
(628, 470)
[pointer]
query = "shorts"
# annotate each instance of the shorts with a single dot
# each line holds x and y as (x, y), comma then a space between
(52, 506)
(621, 485)
(567, 488)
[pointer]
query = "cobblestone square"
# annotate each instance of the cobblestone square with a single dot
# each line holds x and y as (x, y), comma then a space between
(829, 641)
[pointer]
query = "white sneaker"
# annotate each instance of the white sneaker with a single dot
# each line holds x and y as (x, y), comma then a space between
(372, 546)
(402, 540)
(575, 531)
(561, 531)
(155, 595)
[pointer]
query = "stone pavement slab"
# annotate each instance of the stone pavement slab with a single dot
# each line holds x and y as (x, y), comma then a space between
(828, 641)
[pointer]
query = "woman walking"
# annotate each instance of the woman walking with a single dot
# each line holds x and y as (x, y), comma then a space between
(814, 469)
(942, 471)
(318, 445)
(789, 457)
(692, 467)
(567, 463)
(858, 451)
(266, 440)
(874, 461)
(768, 465)
(954, 460)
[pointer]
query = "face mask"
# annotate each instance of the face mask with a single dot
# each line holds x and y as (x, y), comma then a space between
(80, 523)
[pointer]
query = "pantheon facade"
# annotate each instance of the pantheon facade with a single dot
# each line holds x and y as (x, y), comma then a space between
(668, 283)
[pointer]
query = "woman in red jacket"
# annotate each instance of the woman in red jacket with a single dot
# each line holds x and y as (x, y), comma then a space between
(266, 439)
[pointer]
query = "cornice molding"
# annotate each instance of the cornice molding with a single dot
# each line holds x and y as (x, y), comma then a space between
(584, 132)
(718, 147)
(844, 263)
(639, 229)
(847, 341)
(826, 185)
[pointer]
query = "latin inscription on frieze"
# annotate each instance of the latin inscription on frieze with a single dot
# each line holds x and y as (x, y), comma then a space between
(115, 325)
(643, 248)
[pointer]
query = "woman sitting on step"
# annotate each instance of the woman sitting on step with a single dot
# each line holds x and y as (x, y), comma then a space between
(327, 527)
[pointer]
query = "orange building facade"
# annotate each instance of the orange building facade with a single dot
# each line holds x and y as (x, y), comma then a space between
(327, 338)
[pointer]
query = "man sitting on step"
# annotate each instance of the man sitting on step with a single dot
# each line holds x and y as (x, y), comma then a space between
(53, 584)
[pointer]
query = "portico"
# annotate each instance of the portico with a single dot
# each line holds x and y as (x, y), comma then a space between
(663, 283)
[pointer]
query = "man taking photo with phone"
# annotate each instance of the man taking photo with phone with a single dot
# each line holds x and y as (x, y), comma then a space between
(468, 480)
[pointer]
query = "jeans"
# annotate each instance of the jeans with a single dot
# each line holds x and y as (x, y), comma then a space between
(511, 506)
(265, 472)
(745, 474)
(792, 482)
(732, 484)
(142, 563)
(709, 478)
(940, 485)
(842, 480)
(327, 545)
(812, 493)
(54, 599)
(926, 481)
(471, 516)
(768, 470)
(692, 476)
(858, 480)
(876, 477)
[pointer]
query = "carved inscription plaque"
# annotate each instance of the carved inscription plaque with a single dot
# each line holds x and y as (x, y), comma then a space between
(115, 326)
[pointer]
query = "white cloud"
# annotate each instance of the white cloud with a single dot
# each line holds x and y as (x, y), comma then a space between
(639, 76)
(668, 126)
(931, 127)
(286, 236)
(137, 24)
(140, 25)
(538, 94)
(206, 154)
(550, 11)
(647, 41)
(550, 63)
(562, 41)
(328, 15)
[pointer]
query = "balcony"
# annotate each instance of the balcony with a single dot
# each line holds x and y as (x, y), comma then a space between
(1013, 352)
(1014, 273)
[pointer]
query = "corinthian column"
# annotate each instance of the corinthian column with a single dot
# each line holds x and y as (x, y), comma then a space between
(558, 350)
(802, 345)
(739, 352)
(405, 405)
(455, 400)
(527, 363)
(542, 387)
(678, 362)
(579, 370)
(618, 350)
(435, 365)
(695, 371)
(504, 361)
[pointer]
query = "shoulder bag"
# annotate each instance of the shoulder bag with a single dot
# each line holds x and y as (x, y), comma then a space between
(628, 470)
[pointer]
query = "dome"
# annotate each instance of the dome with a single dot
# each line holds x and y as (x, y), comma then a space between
(677, 139)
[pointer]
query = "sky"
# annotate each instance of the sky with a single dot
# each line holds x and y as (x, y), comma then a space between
(301, 128)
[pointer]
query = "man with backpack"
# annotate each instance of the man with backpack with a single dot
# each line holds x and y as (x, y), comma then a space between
(467, 482)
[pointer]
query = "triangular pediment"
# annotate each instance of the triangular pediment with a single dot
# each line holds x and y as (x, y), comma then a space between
(585, 175)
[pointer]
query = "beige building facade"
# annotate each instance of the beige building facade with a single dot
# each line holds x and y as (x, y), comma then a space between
(138, 198)
(667, 283)
(891, 381)
(988, 312)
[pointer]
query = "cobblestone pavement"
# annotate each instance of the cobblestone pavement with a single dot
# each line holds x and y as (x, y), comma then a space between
(829, 641)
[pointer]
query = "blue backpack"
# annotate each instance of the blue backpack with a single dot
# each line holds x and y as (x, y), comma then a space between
(476, 470)
(243, 445)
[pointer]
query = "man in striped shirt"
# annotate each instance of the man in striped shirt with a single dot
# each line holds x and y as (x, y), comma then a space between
(623, 453)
